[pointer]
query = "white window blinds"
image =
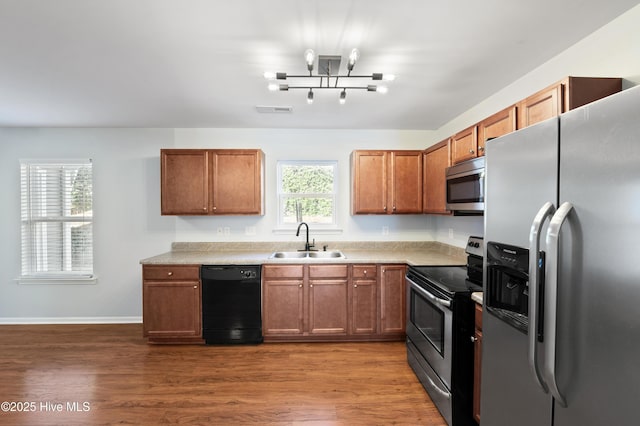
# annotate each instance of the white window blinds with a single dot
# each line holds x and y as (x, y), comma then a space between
(57, 219)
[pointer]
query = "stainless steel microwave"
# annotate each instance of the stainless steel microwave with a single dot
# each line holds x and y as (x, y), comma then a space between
(465, 187)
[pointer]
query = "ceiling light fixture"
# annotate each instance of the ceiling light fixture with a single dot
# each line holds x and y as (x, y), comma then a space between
(329, 76)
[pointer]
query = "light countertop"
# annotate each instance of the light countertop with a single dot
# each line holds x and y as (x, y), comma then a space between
(411, 253)
(477, 297)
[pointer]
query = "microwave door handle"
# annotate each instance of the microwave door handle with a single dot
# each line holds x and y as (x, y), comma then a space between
(429, 296)
(551, 299)
(544, 213)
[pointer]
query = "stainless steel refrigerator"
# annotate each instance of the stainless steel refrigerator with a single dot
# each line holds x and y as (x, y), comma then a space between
(561, 320)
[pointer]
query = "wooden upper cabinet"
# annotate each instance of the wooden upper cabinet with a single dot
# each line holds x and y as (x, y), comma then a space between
(464, 144)
(369, 174)
(184, 175)
(436, 160)
(236, 182)
(406, 181)
(497, 125)
(206, 182)
(386, 182)
(567, 94)
(540, 106)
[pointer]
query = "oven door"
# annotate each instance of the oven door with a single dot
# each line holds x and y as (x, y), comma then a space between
(429, 327)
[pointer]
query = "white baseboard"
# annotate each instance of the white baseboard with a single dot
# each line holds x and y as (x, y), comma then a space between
(73, 320)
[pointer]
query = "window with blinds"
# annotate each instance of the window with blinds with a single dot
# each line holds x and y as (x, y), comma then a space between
(57, 219)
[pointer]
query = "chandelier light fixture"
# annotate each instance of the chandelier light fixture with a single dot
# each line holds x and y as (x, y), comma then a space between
(328, 77)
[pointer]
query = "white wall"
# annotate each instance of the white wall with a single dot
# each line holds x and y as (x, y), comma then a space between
(128, 225)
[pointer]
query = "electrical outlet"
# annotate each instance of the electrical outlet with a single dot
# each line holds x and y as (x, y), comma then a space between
(250, 230)
(450, 232)
(385, 230)
(227, 231)
(219, 230)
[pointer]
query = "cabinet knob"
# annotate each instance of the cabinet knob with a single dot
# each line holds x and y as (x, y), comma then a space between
(169, 273)
(481, 149)
(355, 286)
(300, 285)
(474, 339)
(195, 286)
(385, 208)
(394, 208)
(310, 285)
(365, 272)
(471, 151)
(214, 208)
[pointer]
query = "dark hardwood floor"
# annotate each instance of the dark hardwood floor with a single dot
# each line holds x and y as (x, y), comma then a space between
(108, 374)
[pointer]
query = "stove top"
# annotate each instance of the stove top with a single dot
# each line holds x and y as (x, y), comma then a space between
(450, 279)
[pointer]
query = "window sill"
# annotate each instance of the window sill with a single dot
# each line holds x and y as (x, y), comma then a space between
(93, 279)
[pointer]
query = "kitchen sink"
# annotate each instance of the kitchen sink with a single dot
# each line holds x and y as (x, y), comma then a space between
(334, 254)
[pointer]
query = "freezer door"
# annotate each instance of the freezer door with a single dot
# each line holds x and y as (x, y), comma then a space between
(598, 330)
(521, 176)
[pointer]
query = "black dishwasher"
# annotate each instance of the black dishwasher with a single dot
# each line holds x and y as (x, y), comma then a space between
(231, 304)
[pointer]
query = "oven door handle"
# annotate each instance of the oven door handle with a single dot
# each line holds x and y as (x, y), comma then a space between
(431, 297)
(444, 393)
(544, 213)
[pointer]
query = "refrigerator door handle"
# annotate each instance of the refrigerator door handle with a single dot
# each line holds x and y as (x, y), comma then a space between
(551, 299)
(544, 213)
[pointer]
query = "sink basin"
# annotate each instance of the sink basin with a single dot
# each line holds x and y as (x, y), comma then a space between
(288, 255)
(334, 254)
(326, 254)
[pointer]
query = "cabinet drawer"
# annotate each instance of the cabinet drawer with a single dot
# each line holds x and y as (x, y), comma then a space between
(171, 272)
(365, 271)
(328, 271)
(478, 318)
(283, 271)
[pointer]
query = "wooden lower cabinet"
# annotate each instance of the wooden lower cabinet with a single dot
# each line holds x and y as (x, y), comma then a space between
(330, 302)
(304, 300)
(477, 362)
(171, 303)
(363, 300)
(392, 300)
(327, 300)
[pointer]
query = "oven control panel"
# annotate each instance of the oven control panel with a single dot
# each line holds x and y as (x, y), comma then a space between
(475, 246)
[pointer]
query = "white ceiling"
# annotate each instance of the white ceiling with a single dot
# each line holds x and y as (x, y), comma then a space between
(200, 63)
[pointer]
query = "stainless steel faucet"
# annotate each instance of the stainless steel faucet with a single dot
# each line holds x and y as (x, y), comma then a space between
(307, 246)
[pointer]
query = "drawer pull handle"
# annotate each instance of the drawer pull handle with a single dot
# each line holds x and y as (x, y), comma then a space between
(169, 273)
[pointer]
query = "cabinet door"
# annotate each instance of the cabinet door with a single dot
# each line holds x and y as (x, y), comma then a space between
(497, 125)
(392, 299)
(465, 144)
(369, 186)
(282, 307)
(236, 182)
(328, 307)
(436, 161)
(184, 183)
(171, 309)
(406, 181)
(540, 106)
(363, 307)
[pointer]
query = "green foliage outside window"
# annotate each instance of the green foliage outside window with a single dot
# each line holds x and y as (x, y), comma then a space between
(308, 192)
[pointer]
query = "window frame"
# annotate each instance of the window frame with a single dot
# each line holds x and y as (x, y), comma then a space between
(31, 237)
(281, 195)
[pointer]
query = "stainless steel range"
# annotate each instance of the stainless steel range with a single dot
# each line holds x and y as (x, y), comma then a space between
(439, 330)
